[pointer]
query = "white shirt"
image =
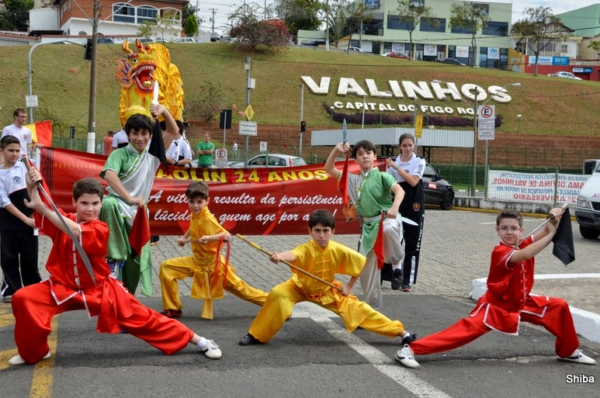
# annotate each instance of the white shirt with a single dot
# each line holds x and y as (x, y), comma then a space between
(11, 180)
(179, 149)
(415, 166)
(23, 134)
(120, 138)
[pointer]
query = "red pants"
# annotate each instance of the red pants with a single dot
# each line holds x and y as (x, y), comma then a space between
(34, 307)
(557, 320)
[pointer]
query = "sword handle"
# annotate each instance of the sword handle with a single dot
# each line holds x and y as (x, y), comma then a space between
(25, 161)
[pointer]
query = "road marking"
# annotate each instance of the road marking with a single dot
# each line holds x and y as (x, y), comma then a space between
(43, 373)
(403, 377)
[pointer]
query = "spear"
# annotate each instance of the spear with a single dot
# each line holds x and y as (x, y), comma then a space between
(257, 247)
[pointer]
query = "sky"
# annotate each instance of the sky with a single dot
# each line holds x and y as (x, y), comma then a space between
(223, 8)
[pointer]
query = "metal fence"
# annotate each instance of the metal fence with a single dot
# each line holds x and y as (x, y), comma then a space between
(454, 164)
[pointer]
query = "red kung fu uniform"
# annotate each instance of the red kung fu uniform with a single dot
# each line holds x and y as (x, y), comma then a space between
(506, 303)
(70, 287)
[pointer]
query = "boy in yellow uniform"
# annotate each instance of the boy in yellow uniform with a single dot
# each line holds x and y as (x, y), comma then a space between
(211, 272)
(323, 258)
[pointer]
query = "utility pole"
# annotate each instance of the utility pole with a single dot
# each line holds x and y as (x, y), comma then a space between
(326, 25)
(247, 66)
(213, 19)
(301, 117)
(91, 135)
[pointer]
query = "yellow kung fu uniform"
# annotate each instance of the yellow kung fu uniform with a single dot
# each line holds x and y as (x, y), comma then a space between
(324, 263)
(206, 285)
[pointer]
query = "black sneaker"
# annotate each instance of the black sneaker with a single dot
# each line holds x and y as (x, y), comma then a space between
(397, 279)
(406, 288)
(249, 340)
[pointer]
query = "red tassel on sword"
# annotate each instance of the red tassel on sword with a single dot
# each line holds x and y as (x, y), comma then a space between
(140, 232)
(378, 247)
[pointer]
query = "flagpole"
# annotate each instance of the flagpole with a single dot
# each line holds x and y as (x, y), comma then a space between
(551, 217)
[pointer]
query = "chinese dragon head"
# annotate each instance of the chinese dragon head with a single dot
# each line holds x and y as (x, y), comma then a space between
(138, 74)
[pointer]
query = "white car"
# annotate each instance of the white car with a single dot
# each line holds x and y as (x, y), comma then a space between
(566, 75)
(186, 40)
(355, 50)
(275, 160)
(270, 160)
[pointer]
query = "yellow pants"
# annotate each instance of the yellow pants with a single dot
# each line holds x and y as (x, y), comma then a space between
(180, 268)
(284, 296)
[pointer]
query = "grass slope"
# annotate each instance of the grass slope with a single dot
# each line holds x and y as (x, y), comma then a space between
(549, 106)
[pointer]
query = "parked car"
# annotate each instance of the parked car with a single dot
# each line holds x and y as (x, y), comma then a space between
(355, 50)
(314, 43)
(146, 40)
(186, 40)
(105, 40)
(437, 190)
(452, 61)
(566, 75)
(397, 54)
(267, 160)
(276, 160)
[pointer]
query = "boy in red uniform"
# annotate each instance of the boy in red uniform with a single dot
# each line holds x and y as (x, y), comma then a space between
(508, 300)
(70, 286)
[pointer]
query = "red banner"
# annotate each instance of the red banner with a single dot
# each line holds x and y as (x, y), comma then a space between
(261, 201)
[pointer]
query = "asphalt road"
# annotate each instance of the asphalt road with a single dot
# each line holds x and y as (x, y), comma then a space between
(313, 355)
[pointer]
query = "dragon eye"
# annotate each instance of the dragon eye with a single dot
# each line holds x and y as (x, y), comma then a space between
(134, 61)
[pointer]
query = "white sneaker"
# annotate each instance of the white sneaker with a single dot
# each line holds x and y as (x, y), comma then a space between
(578, 357)
(406, 357)
(18, 360)
(211, 350)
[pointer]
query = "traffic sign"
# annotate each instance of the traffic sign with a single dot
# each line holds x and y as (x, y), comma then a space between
(263, 146)
(486, 123)
(221, 157)
(249, 112)
(31, 101)
(248, 128)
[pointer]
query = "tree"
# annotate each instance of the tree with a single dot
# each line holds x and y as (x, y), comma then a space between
(538, 29)
(411, 15)
(253, 32)
(471, 17)
(146, 29)
(16, 15)
(191, 25)
(164, 24)
(299, 14)
(210, 100)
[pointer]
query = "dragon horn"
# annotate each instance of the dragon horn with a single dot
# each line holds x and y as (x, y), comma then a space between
(126, 47)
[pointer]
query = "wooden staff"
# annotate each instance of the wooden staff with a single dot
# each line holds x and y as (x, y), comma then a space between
(257, 247)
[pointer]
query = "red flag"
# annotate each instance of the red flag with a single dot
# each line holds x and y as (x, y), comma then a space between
(378, 247)
(41, 132)
(344, 181)
(140, 231)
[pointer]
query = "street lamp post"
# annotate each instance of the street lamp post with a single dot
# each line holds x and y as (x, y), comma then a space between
(518, 124)
(364, 106)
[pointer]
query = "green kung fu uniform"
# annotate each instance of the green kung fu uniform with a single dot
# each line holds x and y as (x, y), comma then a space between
(371, 193)
(136, 172)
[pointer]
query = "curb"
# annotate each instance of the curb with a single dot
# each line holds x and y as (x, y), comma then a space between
(587, 323)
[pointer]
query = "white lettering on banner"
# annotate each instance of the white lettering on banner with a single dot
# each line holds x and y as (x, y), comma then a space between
(530, 187)
(162, 215)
